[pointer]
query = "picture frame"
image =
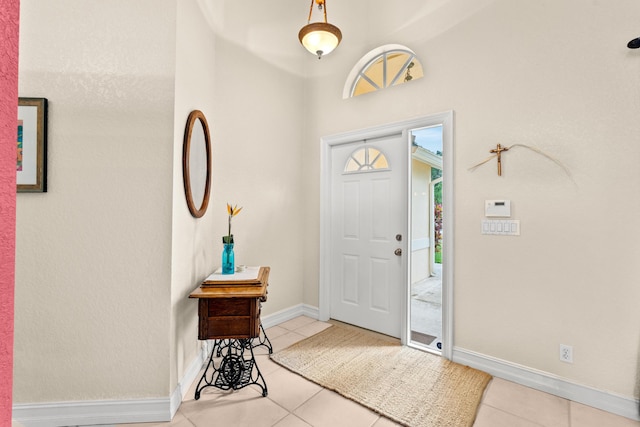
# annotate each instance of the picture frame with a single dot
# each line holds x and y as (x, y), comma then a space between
(31, 162)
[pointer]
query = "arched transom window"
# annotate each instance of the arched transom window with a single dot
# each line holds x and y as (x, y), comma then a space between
(383, 67)
(366, 159)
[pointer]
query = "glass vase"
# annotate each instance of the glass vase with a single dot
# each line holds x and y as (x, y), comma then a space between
(228, 261)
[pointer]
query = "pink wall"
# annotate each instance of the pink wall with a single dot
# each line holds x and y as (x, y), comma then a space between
(9, 17)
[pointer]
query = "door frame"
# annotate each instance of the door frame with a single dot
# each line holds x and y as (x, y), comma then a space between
(327, 142)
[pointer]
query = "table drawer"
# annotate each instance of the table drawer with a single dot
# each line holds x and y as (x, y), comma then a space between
(228, 318)
(237, 327)
(230, 307)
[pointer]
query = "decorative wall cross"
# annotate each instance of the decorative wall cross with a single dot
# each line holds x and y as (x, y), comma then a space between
(498, 151)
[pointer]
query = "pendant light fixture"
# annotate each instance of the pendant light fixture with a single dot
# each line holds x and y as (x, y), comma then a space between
(319, 38)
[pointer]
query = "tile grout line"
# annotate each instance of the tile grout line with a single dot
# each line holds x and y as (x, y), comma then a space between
(512, 414)
(291, 412)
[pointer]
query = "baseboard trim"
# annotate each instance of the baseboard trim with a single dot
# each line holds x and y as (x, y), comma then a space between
(549, 383)
(288, 314)
(190, 375)
(92, 412)
(106, 412)
(163, 409)
(110, 412)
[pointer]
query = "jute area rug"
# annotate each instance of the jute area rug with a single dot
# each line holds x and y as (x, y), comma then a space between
(408, 386)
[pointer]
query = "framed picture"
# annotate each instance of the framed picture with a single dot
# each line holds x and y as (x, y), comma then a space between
(32, 145)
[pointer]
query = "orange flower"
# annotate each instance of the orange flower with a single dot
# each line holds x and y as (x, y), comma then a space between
(232, 211)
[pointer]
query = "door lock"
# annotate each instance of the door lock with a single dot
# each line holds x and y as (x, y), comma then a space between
(398, 252)
(399, 237)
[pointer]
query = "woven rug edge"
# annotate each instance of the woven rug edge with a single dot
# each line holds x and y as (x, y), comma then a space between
(274, 357)
(337, 391)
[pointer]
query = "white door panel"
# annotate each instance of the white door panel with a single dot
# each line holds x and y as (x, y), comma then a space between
(367, 213)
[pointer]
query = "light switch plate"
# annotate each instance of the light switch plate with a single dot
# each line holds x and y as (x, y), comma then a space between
(501, 227)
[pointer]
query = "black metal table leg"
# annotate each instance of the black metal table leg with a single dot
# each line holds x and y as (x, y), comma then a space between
(235, 371)
(262, 339)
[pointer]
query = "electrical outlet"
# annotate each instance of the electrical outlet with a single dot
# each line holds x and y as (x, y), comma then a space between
(566, 353)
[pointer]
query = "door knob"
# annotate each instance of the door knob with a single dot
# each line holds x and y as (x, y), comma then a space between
(398, 252)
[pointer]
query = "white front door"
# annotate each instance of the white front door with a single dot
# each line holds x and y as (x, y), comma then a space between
(367, 238)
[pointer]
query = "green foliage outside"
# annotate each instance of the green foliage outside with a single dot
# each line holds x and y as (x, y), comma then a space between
(437, 189)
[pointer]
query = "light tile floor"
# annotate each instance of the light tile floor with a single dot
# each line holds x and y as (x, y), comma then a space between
(293, 401)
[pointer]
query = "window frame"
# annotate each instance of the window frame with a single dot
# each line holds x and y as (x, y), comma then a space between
(358, 71)
(369, 164)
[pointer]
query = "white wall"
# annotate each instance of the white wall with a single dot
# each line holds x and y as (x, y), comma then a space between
(253, 109)
(93, 253)
(253, 104)
(554, 75)
(258, 159)
(107, 258)
(194, 244)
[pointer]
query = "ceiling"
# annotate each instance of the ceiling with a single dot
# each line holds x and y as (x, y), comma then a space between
(269, 30)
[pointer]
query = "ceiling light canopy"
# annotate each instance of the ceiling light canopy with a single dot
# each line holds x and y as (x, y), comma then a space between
(319, 38)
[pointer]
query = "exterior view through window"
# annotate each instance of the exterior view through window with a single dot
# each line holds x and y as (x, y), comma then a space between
(426, 244)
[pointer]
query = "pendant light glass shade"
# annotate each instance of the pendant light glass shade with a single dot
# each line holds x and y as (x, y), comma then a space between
(320, 38)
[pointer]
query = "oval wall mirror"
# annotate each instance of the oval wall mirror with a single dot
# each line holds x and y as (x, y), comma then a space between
(196, 163)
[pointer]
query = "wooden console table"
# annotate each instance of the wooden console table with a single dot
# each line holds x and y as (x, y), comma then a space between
(229, 313)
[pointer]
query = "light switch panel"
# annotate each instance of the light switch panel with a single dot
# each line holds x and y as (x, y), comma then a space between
(502, 227)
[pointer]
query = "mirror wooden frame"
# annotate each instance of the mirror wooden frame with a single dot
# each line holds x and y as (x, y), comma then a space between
(187, 173)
